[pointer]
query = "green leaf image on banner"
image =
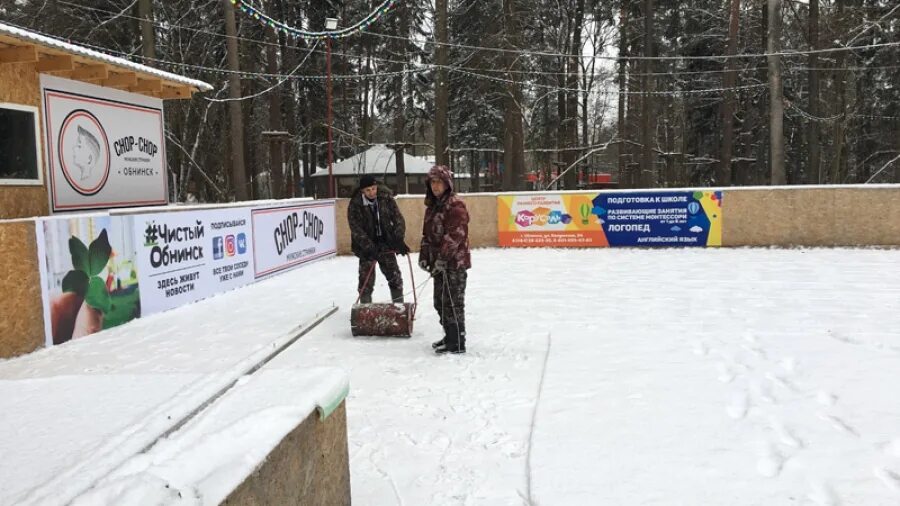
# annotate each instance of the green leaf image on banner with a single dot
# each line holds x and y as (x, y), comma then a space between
(99, 254)
(97, 296)
(79, 254)
(87, 263)
(124, 307)
(75, 282)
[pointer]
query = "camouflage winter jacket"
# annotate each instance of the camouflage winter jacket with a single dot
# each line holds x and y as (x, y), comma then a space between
(445, 232)
(364, 240)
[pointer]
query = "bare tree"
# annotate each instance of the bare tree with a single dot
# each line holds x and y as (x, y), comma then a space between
(724, 177)
(239, 175)
(648, 172)
(148, 41)
(814, 171)
(441, 92)
(776, 95)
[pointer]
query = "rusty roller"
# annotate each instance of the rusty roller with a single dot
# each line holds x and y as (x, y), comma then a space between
(384, 319)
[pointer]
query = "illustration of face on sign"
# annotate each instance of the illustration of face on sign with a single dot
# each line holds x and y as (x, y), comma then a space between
(85, 153)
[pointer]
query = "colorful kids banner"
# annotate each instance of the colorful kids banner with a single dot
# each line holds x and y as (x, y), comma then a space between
(610, 219)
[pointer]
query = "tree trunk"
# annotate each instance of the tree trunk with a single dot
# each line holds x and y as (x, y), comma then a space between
(648, 172)
(148, 39)
(238, 172)
(276, 166)
(514, 138)
(474, 169)
(764, 154)
(814, 171)
(441, 86)
(288, 62)
(724, 177)
(776, 100)
(574, 65)
(366, 118)
(402, 11)
(840, 87)
(623, 87)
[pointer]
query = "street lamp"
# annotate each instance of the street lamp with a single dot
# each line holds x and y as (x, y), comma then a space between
(330, 24)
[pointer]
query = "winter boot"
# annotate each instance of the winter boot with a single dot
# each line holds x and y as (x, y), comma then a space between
(397, 295)
(455, 341)
(437, 344)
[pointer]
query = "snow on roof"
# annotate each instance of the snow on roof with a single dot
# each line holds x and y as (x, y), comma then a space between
(43, 40)
(379, 159)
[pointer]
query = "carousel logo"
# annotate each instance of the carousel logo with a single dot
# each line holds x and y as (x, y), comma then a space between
(83, 151)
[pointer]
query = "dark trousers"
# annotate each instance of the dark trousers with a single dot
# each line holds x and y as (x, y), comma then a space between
(450, 303)
(387, 262)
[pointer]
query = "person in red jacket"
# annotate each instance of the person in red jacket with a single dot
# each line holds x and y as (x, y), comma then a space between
(445, 254)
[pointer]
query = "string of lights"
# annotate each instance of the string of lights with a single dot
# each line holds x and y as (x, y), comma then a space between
(671, 73)
(300, 33)
(524, 52)
(680, 92)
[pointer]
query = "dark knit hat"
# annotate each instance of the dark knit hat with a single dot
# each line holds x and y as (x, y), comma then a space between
(367, 180)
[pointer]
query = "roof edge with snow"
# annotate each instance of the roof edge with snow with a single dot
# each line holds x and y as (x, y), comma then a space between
(45, 52)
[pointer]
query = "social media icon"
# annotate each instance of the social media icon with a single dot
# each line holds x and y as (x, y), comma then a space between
(229, 245)
(218, 248)
(241, 243)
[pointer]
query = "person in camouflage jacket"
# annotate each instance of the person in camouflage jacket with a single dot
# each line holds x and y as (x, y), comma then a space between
(377, 229)
(445, 254)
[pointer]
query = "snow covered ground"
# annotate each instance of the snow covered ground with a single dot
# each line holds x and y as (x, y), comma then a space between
(747, 376)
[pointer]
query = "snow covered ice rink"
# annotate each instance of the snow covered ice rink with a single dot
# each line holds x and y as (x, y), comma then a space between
(601, 376)
(717, 376)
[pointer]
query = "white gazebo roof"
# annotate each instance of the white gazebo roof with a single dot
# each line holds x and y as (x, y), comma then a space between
(379, 159)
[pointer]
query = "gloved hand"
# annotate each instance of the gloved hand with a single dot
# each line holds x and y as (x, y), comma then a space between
(402, 248)
(440, 266)
(423, 263)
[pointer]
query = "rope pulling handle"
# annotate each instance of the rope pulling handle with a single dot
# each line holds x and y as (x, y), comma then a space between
(412, 277)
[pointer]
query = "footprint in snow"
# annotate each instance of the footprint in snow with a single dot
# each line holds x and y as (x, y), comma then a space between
(781, 382)
(823, 495)
(700, 349)
(755, 350)
(826, 398)
(770, 462)
(737, 407)
(762, 391)
(725, 374)
(785, 435)
(839, 424)
(892, 449)
(891, 479)
(789, 365)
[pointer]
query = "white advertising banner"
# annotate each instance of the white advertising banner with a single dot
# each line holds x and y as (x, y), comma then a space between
(105, 147)
(290, 236)
(186, 256)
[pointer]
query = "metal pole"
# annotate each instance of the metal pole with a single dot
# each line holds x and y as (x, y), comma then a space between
(331, 192)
